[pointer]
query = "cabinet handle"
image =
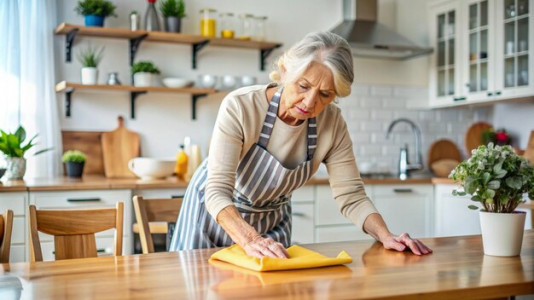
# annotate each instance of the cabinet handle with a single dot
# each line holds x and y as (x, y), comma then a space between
(403, 190)
(177, 196)
(490, 94)
(102, 250)
(298, 214)
(497, 92)
(84, 199)
(459, 98)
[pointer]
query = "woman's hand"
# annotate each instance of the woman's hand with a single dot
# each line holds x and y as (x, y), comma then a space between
(404, 240)
(260, 247)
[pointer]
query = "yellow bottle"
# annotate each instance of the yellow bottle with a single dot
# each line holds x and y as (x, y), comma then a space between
(181, 163)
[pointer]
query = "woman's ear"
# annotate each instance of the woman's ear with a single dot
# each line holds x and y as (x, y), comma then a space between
(282, 73)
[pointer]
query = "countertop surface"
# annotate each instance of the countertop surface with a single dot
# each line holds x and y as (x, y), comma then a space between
(457, 269)
(101, 182)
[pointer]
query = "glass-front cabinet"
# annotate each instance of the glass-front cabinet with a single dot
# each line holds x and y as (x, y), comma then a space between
(483, 51)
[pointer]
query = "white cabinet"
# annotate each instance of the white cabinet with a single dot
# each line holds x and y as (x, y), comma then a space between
(406, 208)
(302, 203)
(87, 199)
(483, 51)
(17, 202)
(452, 215)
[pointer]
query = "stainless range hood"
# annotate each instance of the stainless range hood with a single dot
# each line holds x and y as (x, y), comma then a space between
(371, 39)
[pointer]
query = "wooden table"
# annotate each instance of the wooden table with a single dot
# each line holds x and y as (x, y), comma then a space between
(457, 269)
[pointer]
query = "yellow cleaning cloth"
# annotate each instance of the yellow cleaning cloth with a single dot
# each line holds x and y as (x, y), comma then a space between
(299, 258)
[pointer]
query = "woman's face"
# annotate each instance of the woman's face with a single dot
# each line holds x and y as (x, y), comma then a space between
(308, 95)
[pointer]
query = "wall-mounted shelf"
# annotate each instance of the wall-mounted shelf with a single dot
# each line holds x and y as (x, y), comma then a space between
(197, 42)
(69, 88)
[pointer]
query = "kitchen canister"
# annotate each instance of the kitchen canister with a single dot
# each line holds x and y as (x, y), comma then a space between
(135, 21)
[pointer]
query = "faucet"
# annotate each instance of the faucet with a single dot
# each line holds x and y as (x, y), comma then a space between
(404, 166)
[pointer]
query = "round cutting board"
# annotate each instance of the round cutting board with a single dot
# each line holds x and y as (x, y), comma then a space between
(473, 136)
(443, 149)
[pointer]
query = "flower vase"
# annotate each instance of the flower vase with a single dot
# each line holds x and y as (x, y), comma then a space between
(502, 233)
(16, 168)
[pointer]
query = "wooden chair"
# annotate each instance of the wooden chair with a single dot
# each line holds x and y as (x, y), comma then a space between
(6, 228)
(154, 210)
(74, 230)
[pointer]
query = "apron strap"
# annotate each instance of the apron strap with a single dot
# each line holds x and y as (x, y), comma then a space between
(270, 118)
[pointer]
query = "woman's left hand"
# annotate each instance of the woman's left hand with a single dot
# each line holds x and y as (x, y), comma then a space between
(401, 242)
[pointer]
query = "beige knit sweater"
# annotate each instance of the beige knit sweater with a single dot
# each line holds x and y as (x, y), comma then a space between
(237, 128)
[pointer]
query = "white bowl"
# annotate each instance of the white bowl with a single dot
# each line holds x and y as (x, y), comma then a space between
(152, 168)
(207, 80)
(174, 82)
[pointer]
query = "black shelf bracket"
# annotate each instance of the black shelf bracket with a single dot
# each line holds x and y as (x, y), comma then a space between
(264, 53)
(69, 40)
(133, 96)
(68, 94)
(194, 99)
(134, 45)
(195, 48)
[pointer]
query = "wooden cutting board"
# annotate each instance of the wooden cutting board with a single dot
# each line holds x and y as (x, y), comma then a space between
(473, 136)
(118, 147)
(89, 142)
(443, 149)
(529, 151)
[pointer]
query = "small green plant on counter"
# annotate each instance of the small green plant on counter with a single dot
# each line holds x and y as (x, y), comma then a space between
(144, 66)
(91, 56)
(74, 156)
(496, 177)
(172, 8)
(96, 7)
(12, 144)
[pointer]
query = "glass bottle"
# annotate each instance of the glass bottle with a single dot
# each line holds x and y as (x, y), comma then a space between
(259, 31)
(246, 30)
(151, 17)
(227, 25)
(207, 22)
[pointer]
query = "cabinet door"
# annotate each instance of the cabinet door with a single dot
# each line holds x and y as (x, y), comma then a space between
(326, 209)
(453, 217)
(514, 48)
(478, 51)
(406, 208)
(17, 202)
(445, 82)
(302, 227)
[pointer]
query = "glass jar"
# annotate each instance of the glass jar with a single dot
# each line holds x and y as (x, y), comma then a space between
(227, 24)
(246, 28)
(259, 28)
(207, 22)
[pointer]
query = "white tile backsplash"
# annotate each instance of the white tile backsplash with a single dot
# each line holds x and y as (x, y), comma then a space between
(370, 109)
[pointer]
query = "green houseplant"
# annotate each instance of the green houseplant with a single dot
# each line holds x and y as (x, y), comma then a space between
(90, 57)
(95, 11)
(14, 148)
(173, 11)
(145, 73)
(497, 178)
(74, 161)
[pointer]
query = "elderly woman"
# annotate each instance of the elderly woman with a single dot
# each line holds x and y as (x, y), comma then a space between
(267, 142)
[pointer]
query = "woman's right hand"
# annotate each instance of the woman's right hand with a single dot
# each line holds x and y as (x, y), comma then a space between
(260, 247)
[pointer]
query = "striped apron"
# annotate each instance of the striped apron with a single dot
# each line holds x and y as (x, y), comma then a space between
(262, 193)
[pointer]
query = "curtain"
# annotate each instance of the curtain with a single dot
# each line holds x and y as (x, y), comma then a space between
(27, 80)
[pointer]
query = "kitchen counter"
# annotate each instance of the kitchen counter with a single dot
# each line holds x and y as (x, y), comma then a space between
(457, 269)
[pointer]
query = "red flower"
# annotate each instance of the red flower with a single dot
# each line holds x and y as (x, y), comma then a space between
(502, 137)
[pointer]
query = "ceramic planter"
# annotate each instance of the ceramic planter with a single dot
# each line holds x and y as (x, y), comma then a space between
(94, 20)
(502, 234)
(89, 75)
(16, 168)
(145, 79)
(172, 24)
(74, 169)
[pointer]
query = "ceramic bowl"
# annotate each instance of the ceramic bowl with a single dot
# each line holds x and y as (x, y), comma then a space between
(207, 81)
(228, 82)
(175, 82)
(152, 168)
(247, 80)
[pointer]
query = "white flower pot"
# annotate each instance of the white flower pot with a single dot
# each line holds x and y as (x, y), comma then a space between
(502, 234)
(89, 75)
(146, 79)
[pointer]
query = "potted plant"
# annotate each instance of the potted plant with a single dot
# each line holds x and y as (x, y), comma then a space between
(13, 147)
(145, 74)
(90, 58)
(173, 11)
(496, 178)
(95, 11)
(74, 161)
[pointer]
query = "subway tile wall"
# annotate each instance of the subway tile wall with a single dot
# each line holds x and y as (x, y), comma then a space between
(370, 109)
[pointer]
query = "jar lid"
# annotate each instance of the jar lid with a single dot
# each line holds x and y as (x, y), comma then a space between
(228, 14)
(246, 16)
(208, 10)
(261, 17)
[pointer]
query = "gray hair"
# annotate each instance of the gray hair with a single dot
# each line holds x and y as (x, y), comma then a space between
(324, 47)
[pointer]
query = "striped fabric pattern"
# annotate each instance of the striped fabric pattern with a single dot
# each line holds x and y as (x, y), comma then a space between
(262, 193)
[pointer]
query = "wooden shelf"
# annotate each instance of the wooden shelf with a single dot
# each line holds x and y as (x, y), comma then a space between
(137, 36)
(70, 87)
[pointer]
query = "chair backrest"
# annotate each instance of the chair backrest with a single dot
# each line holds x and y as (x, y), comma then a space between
(74, 230)
(152, 210)
(6, 228)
